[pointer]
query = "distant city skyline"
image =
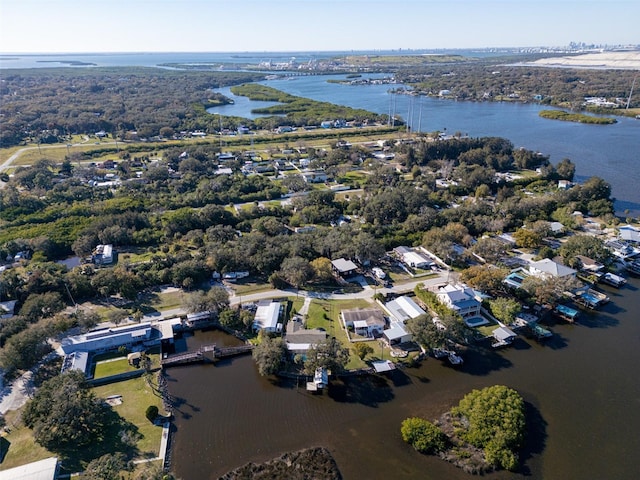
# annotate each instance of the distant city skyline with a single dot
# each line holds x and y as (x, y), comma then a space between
(89, 26)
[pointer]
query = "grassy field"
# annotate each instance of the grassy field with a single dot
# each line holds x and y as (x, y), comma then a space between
(136, 397)
(21, 448)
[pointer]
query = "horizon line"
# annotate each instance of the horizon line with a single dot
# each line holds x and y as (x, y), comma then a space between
(138, 52)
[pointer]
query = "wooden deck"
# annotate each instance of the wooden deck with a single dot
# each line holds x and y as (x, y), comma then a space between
(207, 353)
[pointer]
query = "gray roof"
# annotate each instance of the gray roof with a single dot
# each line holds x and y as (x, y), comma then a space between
(343, 265)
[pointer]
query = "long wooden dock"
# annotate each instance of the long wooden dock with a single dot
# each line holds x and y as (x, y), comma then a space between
(207, 353)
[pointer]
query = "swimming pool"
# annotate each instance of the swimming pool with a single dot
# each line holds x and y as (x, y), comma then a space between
(476, 321)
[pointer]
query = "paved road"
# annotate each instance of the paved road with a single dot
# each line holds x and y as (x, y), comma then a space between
(367, 293)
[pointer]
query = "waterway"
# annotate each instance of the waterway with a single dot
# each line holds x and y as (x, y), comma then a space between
(611, 152)
(581, 388)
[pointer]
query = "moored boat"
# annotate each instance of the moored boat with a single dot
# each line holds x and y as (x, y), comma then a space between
(613, 280)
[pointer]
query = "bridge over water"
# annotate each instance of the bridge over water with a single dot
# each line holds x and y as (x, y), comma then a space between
(206, 353)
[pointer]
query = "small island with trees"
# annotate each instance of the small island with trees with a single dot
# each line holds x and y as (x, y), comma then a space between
(576, 117)
(482, 433)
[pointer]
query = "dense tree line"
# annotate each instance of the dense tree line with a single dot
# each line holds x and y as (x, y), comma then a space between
(488, 81)
(48, 104)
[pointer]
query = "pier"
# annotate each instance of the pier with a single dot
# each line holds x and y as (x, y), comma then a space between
(206, 353)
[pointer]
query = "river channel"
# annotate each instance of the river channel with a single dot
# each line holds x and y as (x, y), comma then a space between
(581, 388)
(611, 152)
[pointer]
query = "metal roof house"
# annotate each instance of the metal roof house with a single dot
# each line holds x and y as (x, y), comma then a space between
(267, 316)
(111, 339)
(403, 308)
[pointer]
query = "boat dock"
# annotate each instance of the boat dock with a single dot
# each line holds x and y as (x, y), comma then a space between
(567, 313)
(207, 353)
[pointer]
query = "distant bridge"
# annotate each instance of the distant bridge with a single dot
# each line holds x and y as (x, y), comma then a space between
(206, 353)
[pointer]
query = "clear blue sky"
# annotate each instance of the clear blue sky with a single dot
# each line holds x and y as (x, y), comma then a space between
(55, 26)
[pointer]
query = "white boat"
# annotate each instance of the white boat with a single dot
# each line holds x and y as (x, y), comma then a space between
(613, 280)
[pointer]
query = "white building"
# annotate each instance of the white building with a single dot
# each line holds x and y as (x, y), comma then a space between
(403, 308)
(103, 255)
(461, 299)
(109, 339)
(267, 317)
(365, 321)
(547, 268)
(412, 258)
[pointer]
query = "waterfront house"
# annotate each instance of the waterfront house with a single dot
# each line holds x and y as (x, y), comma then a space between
(267, 316)
(629, 233)
(397, 333)
(299, 340)
(366, 322)
(589, 265)
(547, 268)
(110, 339)
(459, 298)
(503, 336)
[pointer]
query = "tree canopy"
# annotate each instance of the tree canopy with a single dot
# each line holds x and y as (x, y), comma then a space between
(65, 415)
(495, 420)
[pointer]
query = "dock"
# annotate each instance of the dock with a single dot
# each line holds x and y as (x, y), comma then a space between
(568, 313)
(206, 353)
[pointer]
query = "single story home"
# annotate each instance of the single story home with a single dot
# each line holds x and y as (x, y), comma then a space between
(267, 316)
(412, 258)
(397, 334)
(46, 469)
(403, 308)
(546, 268)
(108, 339)
(103, 255)
(299, 339)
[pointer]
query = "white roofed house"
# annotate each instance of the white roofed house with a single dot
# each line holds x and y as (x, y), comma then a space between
(268, 316)
(547, 268)
(461, 299)
(103, 255)
(109, 339)
(412, 258)
(403, 308)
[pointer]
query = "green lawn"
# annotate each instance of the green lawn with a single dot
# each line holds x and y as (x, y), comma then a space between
(326, 314)
(21, 446)
(136, 397)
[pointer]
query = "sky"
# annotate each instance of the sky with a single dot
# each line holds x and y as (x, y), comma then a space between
(88, 26)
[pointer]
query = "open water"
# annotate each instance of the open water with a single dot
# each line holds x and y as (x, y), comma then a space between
(581, 388)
